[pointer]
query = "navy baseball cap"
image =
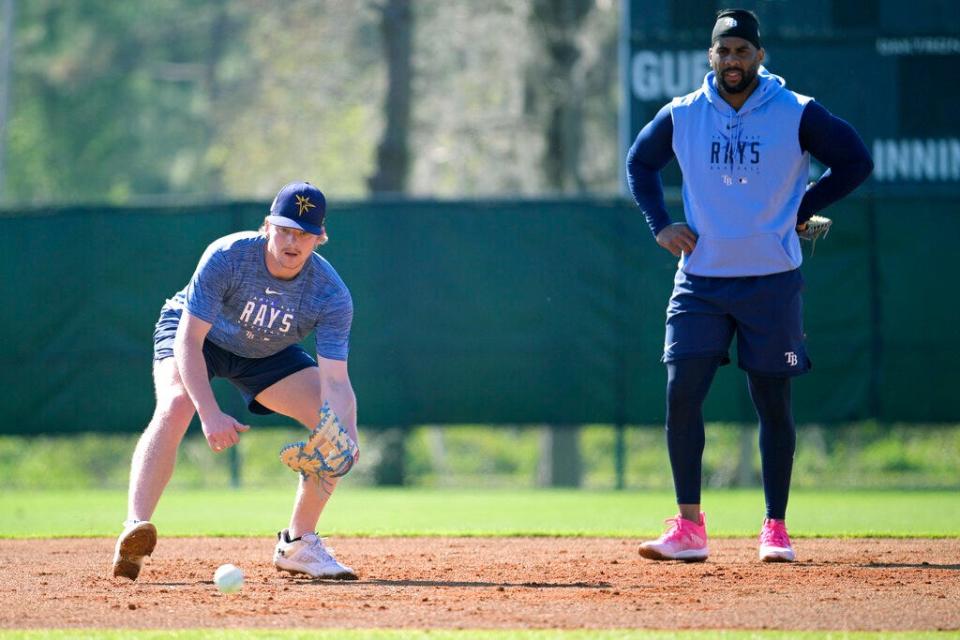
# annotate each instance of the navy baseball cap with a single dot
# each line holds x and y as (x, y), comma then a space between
(299, 205)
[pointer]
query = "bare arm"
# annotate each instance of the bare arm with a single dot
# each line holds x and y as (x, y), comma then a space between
(220, 429)
(337, 390)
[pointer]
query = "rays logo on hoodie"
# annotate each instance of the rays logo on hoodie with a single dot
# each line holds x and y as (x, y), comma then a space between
(745, 153)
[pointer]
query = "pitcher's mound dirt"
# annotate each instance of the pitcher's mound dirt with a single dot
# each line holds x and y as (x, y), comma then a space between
(560, 583)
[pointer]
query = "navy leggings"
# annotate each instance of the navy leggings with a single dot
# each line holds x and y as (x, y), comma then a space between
(687, 384)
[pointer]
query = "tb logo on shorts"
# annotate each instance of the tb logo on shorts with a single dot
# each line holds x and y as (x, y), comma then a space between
(792, 359)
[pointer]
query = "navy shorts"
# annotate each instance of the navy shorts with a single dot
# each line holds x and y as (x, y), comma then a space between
(765, 312)
(249, 375)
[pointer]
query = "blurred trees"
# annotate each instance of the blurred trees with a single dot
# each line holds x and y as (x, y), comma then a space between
(230, 98)
(7, 18)
(314, 84)
(115, 99)
(484, 95)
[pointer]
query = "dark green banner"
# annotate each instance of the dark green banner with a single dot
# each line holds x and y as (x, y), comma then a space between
(477, 312)
(869, 62)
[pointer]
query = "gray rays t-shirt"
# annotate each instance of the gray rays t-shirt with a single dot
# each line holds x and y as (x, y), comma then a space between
(254, 314)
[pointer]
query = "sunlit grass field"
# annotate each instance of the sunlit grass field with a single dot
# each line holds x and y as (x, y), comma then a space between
(367, 511)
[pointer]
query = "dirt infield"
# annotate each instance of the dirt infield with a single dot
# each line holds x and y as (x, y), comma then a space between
(560, 583)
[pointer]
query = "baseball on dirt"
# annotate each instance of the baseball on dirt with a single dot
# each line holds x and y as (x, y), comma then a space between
(228, 578)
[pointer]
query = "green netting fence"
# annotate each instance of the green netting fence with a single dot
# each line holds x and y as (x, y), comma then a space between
(490, 312)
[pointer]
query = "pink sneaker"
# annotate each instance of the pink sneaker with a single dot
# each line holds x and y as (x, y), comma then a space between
(684, 540)
(774, 542)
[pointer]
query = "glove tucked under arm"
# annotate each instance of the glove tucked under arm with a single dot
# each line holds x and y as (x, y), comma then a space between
(813, 229)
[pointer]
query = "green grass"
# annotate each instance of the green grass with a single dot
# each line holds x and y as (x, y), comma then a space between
(363, 511)
(469, 634)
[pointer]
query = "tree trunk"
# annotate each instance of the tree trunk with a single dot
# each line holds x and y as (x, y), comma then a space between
(555, 94)
(745, 475)
(560, 463)
(393, 152)
(220, 30)
(391, 468)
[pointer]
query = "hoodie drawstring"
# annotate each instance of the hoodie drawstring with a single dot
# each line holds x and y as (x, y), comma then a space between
(734, 123)
(736, 147)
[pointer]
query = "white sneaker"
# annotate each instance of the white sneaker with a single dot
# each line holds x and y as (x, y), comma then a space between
(136, 542)
(308, 554)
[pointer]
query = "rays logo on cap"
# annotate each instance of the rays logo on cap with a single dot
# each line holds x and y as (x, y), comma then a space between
(299, 205)
(303, 205)
(729, 23)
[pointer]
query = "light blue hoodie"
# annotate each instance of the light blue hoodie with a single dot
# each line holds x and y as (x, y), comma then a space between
(744, 175)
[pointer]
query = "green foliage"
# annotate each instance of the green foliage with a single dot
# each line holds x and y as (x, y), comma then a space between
(478, 455)
(868, 454)
(85, 462)
(864, 455)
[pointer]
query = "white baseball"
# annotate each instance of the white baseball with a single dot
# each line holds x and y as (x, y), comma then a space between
(228, 578)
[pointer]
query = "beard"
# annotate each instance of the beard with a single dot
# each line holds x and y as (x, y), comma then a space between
(747, 76)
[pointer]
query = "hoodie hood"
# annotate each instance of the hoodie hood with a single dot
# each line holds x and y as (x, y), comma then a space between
(769, 86)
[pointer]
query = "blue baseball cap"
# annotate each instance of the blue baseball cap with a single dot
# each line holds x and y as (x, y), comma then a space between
(299, 205)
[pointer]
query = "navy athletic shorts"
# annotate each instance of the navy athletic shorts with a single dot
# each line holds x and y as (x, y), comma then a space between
(765, 312)
(249, 375)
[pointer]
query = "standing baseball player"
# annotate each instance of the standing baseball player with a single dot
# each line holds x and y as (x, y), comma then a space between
(253, 297)
(743, 142)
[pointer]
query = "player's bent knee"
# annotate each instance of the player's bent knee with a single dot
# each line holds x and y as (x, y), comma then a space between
(173, 413)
